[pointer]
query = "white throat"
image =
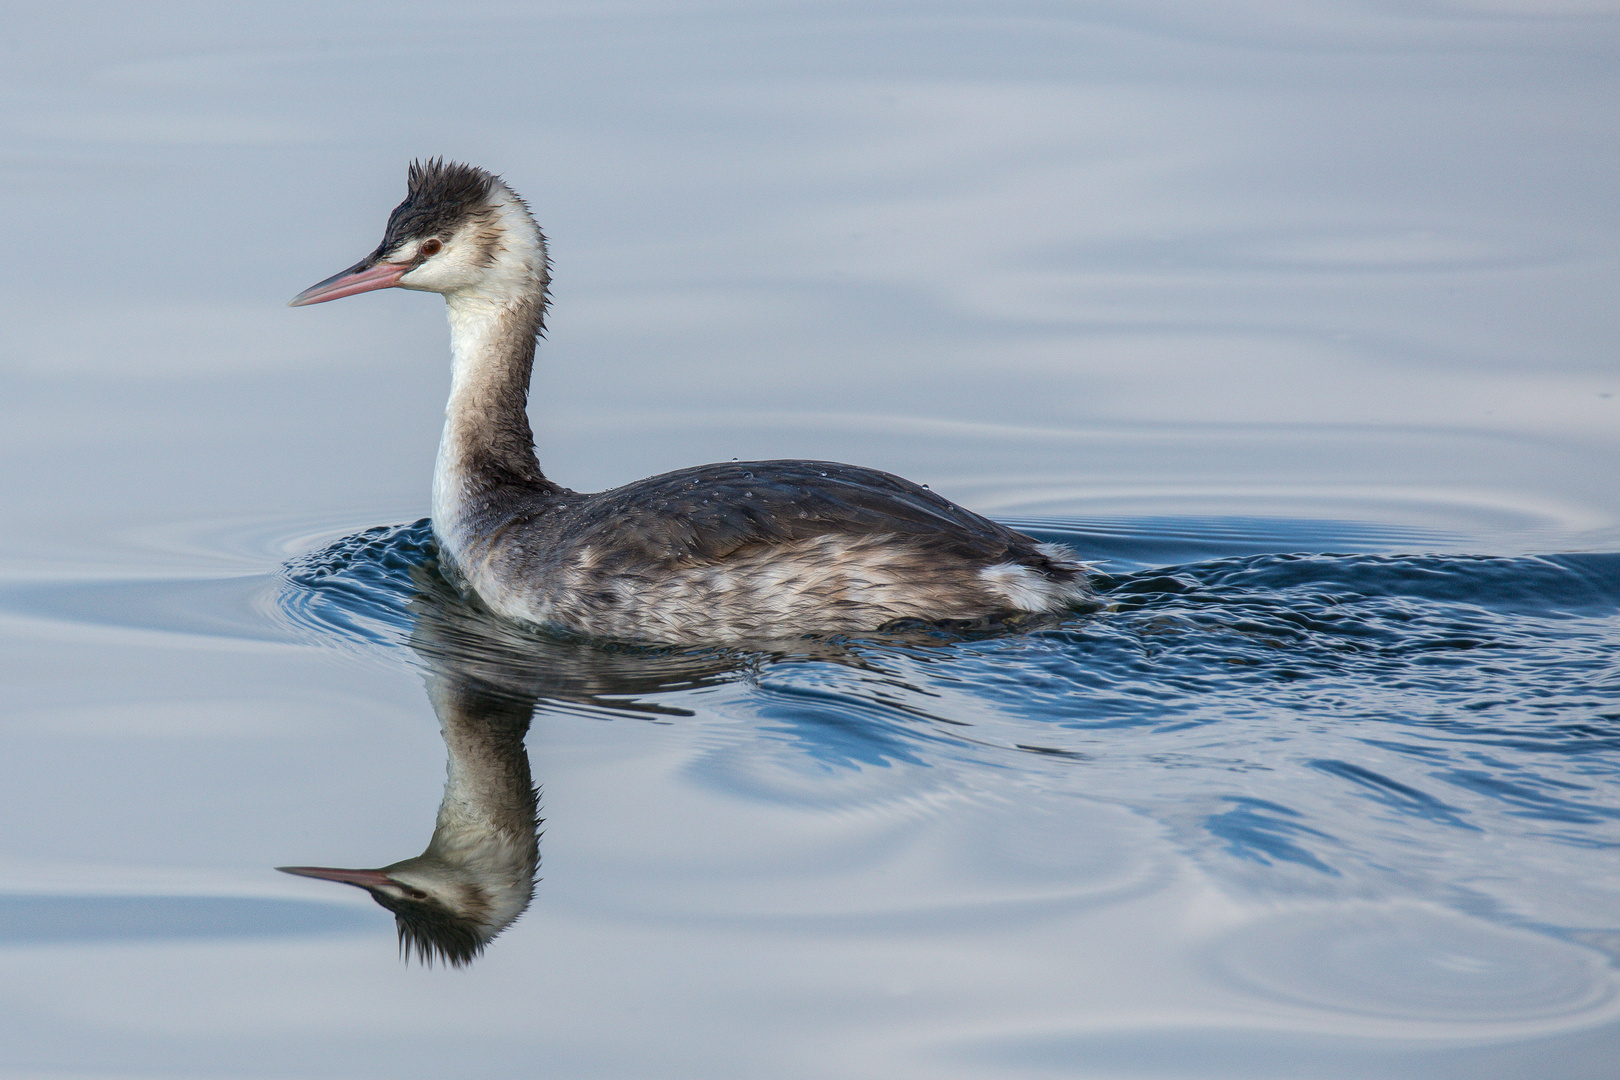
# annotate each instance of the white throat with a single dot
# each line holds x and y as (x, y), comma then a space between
(495, 300)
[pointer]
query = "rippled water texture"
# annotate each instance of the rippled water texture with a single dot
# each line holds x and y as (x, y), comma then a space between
(1394, 712)
(1297, 319)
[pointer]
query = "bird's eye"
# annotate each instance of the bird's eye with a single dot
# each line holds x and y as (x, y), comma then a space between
(430, 247)
(415, 894)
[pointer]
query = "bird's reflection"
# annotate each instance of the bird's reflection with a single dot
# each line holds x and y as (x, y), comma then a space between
(484, 679)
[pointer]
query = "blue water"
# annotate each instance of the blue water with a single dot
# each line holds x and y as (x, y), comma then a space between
(1324, 716)
(1356, 808)
(1297, 319)
(1369, 732)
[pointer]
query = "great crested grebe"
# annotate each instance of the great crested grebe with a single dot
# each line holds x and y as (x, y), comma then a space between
(714, 553)
(477, 874)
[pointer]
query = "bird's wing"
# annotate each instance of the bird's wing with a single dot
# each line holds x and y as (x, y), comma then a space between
(705, 513)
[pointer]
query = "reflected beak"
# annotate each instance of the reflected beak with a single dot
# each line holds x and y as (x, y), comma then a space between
(363, 879)
(362, 277)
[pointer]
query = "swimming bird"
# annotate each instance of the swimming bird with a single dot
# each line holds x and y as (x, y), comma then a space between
(753, 549)
(477, 874)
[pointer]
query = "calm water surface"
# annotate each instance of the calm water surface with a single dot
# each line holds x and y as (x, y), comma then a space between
(1297, 319)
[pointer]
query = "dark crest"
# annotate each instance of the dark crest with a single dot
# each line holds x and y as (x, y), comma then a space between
(432, 932)
(440, 195)
(441, 181)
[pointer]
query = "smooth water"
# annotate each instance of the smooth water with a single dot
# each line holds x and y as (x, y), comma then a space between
(1297, 319)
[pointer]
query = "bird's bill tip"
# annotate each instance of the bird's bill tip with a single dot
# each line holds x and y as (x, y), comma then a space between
(364, 879)
(350, 282)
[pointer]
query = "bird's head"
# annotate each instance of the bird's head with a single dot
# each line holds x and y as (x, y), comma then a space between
(460, 232)
(444, 910)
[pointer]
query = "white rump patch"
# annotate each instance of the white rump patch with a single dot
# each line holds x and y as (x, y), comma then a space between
(1024, 589)
(1063, 557)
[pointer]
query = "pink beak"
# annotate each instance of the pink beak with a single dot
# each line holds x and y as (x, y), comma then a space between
(364, 879)
(350, 282)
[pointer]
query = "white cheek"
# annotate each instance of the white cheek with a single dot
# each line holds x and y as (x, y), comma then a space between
(424, 278)
(445, 272)
(432, 276)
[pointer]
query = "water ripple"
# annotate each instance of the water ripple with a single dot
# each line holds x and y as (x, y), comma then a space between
(1320, 723)
(1414, 966)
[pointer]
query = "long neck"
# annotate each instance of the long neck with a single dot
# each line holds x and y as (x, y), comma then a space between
(487, 829)
(486, 455)
(489, 796)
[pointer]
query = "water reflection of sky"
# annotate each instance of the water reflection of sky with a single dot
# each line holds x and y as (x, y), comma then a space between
(1204, 281)
(1308, 223)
